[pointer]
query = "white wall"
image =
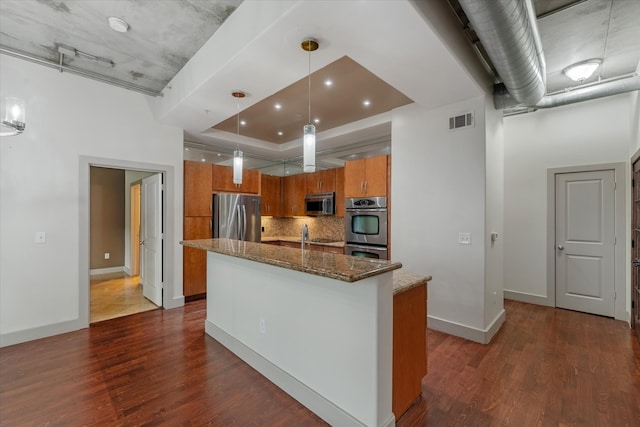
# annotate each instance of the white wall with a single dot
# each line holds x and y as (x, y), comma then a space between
(67, 117)
(494, 199)
(438, 190)
(591, 132)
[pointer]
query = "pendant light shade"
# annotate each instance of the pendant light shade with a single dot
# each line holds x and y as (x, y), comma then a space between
(237, 167)
(309, 130)
(237, 154)
(309, 148)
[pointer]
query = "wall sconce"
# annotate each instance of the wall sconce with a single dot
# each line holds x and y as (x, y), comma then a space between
(12, 117)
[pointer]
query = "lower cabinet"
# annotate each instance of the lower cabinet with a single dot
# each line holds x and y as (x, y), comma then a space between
(194, 261)
(409, 347)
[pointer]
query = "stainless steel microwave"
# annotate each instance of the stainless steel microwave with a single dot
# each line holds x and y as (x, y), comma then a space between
(320, 204)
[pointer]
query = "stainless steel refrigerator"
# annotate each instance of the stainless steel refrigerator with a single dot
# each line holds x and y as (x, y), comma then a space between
(236, 216)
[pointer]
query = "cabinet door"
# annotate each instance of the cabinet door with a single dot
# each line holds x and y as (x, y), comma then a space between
(250, 181)
(294, 191)
(340, 192)
(323, 181)
(197, 188)
(223, 179)
(194, 263)
(354, 177)
(271, 195)
(376, 176)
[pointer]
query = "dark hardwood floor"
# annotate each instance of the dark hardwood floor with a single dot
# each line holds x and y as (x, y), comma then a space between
(545, 367)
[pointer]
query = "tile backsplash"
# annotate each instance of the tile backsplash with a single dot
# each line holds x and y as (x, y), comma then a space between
(330, 227)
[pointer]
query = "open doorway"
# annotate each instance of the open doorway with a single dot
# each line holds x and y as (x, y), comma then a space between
(115, 286)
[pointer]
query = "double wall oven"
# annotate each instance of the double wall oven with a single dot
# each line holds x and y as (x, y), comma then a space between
(366, 227)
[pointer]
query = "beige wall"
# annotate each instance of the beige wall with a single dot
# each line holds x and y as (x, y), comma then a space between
(107, 217)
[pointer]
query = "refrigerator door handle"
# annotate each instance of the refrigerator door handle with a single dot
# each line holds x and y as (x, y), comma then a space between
(238, 229)
(244, 222)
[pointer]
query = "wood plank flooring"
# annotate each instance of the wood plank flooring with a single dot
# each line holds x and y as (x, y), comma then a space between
(546, 367)
(116, 295)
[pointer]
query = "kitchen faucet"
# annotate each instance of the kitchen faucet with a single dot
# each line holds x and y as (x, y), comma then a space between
(305, 235)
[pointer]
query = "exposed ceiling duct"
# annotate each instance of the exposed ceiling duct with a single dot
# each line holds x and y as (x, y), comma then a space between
(509, 34)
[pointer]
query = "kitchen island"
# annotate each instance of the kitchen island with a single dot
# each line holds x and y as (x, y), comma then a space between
(317, 324)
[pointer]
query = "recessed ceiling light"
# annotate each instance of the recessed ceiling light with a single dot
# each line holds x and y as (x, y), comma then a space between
(219, 154)
(186, 148)
(581, 71)
(203, 159)
(278, 106)
(366, 102)
(118, 24)
(242, 122)
(280, 133)
(316, 120)
(328, 82)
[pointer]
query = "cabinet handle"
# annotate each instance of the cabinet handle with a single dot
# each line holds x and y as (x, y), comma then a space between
(365, 187)
(362, 187)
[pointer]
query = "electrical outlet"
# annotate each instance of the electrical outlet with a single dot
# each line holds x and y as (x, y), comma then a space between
(262, 326)
(464, 238)
(107, 255)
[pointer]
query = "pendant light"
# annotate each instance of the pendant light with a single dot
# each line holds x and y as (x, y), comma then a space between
(237, 154)
(309, 130)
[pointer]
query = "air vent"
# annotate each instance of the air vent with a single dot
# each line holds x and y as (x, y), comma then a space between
(461, 121)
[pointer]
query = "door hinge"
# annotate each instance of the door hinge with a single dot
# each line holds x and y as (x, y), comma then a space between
(633, 243)
(633, 304)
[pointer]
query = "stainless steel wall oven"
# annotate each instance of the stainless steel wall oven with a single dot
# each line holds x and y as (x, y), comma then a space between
(366, 227)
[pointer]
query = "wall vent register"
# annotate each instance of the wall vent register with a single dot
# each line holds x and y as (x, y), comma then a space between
(461, 121)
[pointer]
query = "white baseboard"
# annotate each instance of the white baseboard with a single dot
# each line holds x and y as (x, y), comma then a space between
(528, 298)
(108, 270)
(467, 332)
(318, 404)
(126, 270)
(25, 335)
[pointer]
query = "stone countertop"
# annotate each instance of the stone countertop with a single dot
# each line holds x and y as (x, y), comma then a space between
(336, 244)
(403, 281)
(326, 264)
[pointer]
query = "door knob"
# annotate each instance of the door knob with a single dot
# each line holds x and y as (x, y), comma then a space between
(142, 242)
(560, 248)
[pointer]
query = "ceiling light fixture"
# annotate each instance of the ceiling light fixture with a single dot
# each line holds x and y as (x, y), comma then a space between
(366, 102)
(581, 71)
(12, 117)
(237, 154)
(278, 106)
(118, 24)
(309, 130)
(328, 83)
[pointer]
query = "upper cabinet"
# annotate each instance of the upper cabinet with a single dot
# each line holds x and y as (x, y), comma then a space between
(366, 177)
(293, 189)
(340, 192)
(323, 181)
(197, 189)
(271, 191)
(223, 180)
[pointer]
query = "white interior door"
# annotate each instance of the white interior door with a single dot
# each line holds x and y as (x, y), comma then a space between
(151, 238)
(585, 241)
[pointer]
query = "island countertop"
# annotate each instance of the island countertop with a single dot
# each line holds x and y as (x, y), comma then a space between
(333, 266)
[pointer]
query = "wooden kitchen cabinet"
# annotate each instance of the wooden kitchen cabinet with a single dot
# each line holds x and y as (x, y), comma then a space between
(340, 192)
(197, 188)
(271, 191)
(366, 177)
(323, 181)
(294, 189)
(222, 180)
(194, 271)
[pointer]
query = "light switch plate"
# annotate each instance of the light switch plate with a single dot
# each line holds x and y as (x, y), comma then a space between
(464, 238)
(41, 237)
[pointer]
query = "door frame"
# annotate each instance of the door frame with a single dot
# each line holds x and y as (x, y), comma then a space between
(134, 228)
(621, 273)
(168, 217)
